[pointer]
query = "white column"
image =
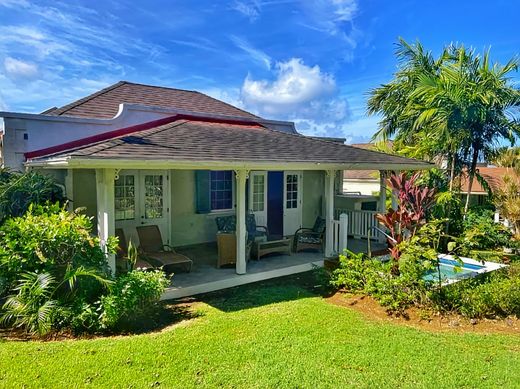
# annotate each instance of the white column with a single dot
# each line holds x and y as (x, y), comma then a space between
(105, 210)
(394, 195)
(343, 232)
(382, 197)
(329, 211)
(241, 234)
(69, 189)
(382, 191)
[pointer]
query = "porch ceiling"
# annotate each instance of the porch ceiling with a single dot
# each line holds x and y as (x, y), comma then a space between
(202, 143)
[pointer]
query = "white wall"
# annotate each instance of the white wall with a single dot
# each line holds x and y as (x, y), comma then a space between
(366, 187)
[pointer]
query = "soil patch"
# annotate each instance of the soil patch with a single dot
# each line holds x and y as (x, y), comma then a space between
(428, 321)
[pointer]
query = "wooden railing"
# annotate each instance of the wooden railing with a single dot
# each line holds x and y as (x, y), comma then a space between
(360, 222)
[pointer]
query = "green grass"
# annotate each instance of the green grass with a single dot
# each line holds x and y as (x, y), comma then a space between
(279, 334)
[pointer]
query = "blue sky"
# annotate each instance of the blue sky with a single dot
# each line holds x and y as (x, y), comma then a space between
(312, 62)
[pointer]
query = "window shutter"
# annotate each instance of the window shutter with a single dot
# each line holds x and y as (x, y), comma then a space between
(202, 191)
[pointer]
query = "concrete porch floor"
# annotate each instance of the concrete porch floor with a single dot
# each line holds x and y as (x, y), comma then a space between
(206, 277)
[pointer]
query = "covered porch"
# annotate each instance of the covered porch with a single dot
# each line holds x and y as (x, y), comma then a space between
(206, 277)
(183, 174)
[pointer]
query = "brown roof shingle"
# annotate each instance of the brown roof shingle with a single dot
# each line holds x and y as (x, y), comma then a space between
(105, 103)
(193, 140)
(494, 176)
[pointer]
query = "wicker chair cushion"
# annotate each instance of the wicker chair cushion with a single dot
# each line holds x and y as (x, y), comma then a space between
(309, 239)
(226, 223)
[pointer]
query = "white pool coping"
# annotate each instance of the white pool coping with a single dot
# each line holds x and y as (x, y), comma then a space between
(487, 267)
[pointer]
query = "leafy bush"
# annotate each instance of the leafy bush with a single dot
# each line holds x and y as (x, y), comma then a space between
(360, 274)
(49, 238)
(56, 276)
(132, 294)
(482, 233)
(19, 190)
(495, 294)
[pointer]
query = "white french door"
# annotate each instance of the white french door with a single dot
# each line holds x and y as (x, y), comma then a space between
(142, 198)
(258, 196)
(292, 196)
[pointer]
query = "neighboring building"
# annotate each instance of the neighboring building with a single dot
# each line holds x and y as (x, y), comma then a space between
(492, 175)
(135, 154)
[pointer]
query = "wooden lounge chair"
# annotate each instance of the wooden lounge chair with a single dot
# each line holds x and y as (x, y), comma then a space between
(122, 253)
(152, 247)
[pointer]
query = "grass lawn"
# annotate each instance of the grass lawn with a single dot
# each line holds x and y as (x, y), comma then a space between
(275, 334)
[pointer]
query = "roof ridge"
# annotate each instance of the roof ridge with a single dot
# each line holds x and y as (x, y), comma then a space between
(342, 144)
(83, 100)
(159, 86)
(113, 134)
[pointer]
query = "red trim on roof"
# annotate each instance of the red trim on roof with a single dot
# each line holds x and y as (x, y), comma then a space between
(132, 129)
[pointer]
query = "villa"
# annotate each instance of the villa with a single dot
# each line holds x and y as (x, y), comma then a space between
(135, 155)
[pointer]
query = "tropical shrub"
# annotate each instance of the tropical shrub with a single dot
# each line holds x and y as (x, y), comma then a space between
(50, 238)
(480, 232)
(495, 294)
(19, 190)
(414, 203)
(359, 274)
(54, 276)
(132, 295)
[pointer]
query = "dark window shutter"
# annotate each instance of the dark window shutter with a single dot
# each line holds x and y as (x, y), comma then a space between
(202, 191)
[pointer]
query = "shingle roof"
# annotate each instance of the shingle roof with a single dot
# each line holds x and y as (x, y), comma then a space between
(365, 174)
(494, 176)
(207, 140)
(105, 103)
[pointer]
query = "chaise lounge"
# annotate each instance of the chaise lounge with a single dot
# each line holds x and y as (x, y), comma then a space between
(152, 248)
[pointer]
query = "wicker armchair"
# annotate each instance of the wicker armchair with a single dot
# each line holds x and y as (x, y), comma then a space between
(227, 240)
(310, 238)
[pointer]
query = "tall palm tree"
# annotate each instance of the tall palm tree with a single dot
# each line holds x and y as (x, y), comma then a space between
(459, 106)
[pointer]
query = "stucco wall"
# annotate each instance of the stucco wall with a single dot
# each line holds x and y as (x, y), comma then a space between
(84, 191)
(188, 227)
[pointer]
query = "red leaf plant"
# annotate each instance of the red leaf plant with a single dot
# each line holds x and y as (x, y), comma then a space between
(413, 203)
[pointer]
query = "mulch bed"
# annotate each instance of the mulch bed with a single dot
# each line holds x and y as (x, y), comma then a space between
(417, 318)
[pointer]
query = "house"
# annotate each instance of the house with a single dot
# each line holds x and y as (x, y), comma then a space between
(135, 154)
(493, 177)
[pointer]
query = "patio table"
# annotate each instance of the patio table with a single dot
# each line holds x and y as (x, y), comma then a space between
(272, 245)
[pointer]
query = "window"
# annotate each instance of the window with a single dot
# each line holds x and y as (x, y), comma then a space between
(221, 190)
(292, 191)
(153, 196)
(258, 193)
(125, 197)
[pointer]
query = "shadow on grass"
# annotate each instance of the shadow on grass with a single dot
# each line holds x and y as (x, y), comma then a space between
(166, 314)
(303, 285)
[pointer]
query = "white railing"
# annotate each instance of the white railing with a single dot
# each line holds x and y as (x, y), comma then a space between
(340, 234)
(360, 222)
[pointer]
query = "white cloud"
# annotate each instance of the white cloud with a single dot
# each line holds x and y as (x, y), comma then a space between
(255, 54)
(16, 68)
(334, 17)
(296, 87)
(248, 8)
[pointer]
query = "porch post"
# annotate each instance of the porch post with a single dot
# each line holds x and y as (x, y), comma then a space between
(105, 210)
(382, 197)
(394, 195)
(329, 211)
(241, 234)
(69, 189)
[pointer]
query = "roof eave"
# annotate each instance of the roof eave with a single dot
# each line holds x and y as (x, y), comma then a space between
(69, 162)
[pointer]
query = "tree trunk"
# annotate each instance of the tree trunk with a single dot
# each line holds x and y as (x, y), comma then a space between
(452, 170)
(452, 178)
(472, 171)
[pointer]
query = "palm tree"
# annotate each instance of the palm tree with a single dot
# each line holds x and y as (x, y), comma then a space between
(459, 106)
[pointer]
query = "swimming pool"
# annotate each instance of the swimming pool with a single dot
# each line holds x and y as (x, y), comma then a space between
(447, 264)
(469, 268)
